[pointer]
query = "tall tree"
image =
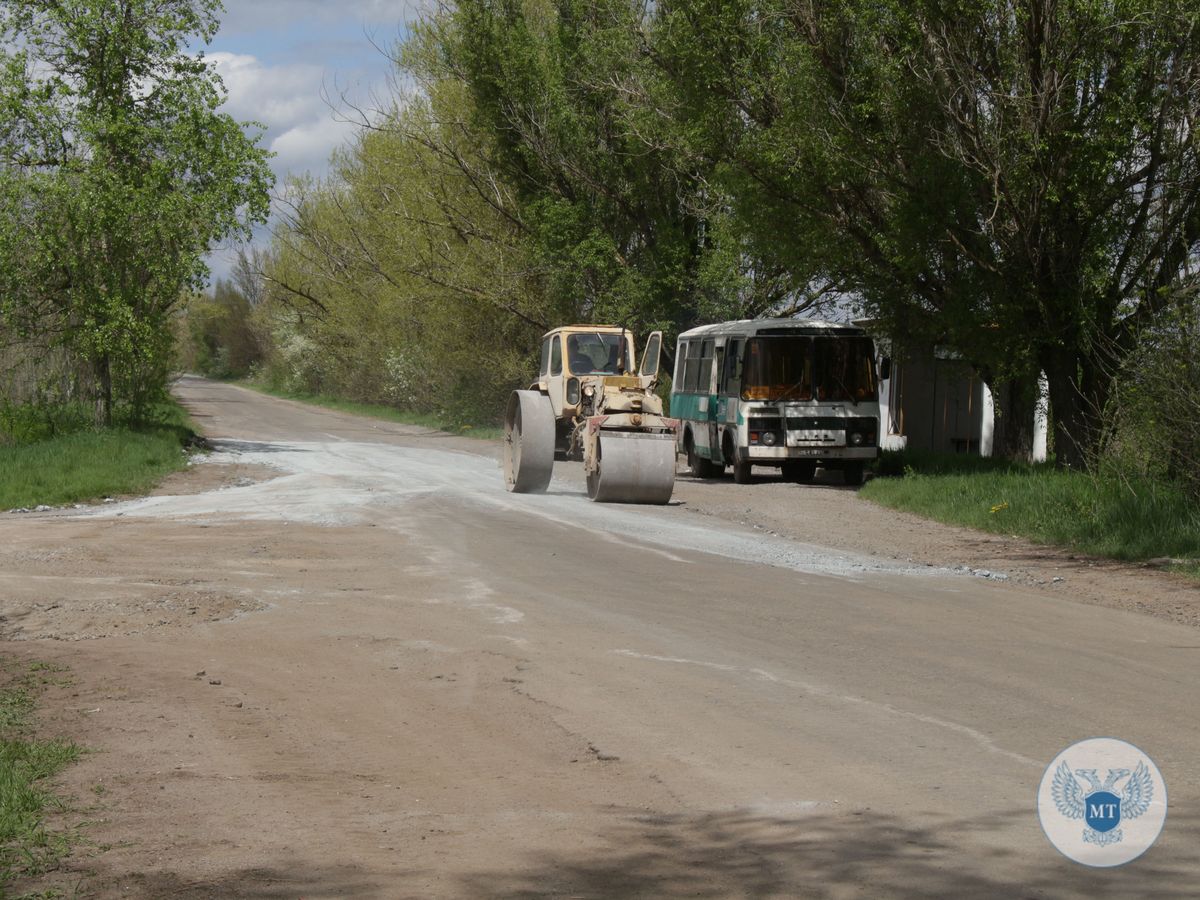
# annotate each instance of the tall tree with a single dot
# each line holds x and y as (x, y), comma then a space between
(625, 219)
(404, 277)
(118, 173)
(1017, 178)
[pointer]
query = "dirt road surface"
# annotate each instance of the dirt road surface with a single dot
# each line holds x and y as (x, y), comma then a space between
(355, 667)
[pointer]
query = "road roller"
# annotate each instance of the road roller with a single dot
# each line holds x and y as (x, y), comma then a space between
(591, 402)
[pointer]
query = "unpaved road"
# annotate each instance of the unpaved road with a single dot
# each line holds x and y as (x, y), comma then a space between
(376, 674)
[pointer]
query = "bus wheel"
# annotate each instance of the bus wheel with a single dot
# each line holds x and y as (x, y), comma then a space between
(741, 471)
(852, 473)
(698, 466)
(800, 472)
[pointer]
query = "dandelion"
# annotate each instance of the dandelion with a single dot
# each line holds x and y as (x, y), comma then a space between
(1000, 506)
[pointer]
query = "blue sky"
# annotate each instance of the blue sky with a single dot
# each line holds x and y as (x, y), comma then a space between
(284, 61)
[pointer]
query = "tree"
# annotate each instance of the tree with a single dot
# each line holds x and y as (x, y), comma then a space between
(1019, 179)
(117, 174)
(626, 221)
(220, 337)
(403, 277)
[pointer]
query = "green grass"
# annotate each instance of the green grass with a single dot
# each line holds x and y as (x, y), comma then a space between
(93, 463)
(1101, 515)
(27, 847)
(379, 411)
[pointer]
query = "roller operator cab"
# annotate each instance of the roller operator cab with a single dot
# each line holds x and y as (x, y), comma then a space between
(789, 393)
(591, 401)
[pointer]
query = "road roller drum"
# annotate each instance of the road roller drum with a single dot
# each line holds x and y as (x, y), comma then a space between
(528, 442)
(632, 467)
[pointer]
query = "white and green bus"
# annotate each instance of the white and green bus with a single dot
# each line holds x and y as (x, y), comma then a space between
(790, 393)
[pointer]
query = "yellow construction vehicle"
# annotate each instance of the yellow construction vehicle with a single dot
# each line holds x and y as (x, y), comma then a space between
(590, 400)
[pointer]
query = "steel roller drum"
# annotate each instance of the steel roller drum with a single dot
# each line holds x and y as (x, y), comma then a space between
(633, 468)
(528, 442)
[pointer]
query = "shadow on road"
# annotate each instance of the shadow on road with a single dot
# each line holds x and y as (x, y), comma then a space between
(283, 882)
(742, 855)
(733, 854)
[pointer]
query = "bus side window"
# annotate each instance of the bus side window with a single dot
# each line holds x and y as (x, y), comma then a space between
(556, 355)
(691, 367)
(545, 367)
(731, 377)
(704, 380)
(680, 356)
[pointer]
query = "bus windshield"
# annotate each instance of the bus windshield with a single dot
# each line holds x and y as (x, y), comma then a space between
(803, 367)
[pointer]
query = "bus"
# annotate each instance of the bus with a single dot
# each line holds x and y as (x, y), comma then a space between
(794, 394)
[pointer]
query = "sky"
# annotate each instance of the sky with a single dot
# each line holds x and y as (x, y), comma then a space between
(285, 61)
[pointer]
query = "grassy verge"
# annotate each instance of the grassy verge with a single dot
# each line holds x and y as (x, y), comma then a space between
(92, 463)
(379, 411)
(1101, 515)
(27, 847)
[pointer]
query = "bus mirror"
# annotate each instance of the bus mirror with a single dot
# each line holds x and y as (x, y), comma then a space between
(885, 368)
(651, 354)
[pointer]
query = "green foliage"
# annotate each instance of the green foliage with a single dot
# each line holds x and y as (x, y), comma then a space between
(623, 213)
(533, 181)
(1017, 180)
(387, 413)
(896, 463)
(117, 174)
(86, 465)
(1104, 515)
(1154, 411)
(403, 279)
(90, 463)
(221, 339)
(26, 423)
(27, 847)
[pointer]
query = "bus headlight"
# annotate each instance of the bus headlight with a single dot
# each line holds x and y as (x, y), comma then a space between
(856, 438)
(769, 438)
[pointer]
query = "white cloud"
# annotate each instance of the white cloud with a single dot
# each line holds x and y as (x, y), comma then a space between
(299, 149)
(290, 101)
(278, 96)
(283, 62)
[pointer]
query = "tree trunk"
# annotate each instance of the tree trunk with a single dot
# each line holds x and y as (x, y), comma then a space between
(104, 392)
(1074, 410)
(1016, 406)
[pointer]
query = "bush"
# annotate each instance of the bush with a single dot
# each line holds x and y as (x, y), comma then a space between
(1155, 406)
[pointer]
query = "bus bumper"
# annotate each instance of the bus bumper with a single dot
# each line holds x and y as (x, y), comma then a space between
(819, 455)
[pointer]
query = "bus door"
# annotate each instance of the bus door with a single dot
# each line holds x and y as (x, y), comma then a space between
(706, 403)
(729, 389)
(716, 409)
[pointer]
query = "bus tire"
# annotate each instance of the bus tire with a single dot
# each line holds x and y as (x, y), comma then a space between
(727, 454)
(741, 471)
(852, 473)
(698, 467)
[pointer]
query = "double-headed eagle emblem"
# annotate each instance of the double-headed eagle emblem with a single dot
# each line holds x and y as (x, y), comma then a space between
(1098, 804)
